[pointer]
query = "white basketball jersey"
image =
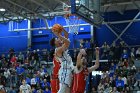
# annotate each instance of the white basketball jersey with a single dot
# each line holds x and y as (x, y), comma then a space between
(66, 60)
(25, 88)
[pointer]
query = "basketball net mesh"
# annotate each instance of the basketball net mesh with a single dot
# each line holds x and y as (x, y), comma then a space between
(73, 23)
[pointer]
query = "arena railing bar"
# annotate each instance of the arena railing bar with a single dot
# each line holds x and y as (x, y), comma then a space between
(44, 28)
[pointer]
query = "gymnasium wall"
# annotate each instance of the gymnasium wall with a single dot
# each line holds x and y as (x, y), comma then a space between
(9, 39)
(40, 38)
(132, 34)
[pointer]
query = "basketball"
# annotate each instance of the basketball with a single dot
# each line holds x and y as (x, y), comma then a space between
(57, 27)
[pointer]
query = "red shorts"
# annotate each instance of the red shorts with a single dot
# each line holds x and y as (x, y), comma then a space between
(54, 85)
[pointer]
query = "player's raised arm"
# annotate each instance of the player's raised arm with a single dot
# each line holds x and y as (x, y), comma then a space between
(81, 53)
(90, 69)
(63, 39)
(66, 34)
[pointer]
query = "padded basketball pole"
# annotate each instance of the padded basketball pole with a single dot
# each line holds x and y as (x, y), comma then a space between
(29, 34)
(127, 27)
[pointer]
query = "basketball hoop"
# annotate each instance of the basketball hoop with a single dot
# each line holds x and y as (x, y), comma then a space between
(73, 23)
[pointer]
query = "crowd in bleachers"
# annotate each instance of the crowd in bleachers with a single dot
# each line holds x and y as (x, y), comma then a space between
(27, 65)
(121, 76)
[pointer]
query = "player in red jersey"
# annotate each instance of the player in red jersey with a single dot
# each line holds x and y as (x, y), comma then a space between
(54, 78)
(81, 71)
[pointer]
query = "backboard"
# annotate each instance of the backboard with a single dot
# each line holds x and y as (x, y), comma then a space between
(88, 10)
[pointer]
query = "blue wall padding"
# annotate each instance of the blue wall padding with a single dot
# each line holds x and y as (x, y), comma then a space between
(132, 34)
(46, 35)
(16, 40)
(104, 34)
(116, 16)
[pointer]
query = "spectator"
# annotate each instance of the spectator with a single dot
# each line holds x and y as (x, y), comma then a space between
(82, 43)
(125, 61)
(11, 52)
(2, 80)
(119, 84)
(33, 82)
(112, 81)
(125, 57)
(34, 90)
(100, 88)
(35, 55)
(47, 77)
(125, 54)
(112, 50)
(47, 90)
(45, 84)
(33, 63)
(13, 61)
(12, 90)
(20, 57)
(115, 90)
(104, 75)
(26, 62)
(107, 88)
(2, 88)
(105, 48)
(28, 55)
(13, 77)
(94, 90)
(127, 90)
(112, 69)
(42, 73)
(4, 62)
(124, 79)
(137, 77)
(20, 70)
(132, 54)
(7, 75)
(39, 90)
(28, 80)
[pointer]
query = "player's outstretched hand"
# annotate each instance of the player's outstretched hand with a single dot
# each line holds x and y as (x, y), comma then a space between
(97, 50)
(83, 52)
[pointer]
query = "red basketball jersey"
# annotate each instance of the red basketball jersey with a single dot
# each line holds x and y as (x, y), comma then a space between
(54, 85)
(56, 67)
(54, 79)
(79, 81)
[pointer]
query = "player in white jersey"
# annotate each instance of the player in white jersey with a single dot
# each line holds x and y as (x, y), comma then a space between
(25, 88)
(61, 54)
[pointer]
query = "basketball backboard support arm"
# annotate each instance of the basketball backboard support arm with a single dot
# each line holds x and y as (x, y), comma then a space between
(85, 13)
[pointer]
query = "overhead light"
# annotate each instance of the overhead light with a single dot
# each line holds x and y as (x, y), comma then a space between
(77, 1)
(2, 9)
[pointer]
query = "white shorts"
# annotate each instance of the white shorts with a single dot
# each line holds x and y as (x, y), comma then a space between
(65, 76)
(64, 89)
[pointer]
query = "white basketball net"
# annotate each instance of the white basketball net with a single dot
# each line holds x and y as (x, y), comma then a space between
(73, 24)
